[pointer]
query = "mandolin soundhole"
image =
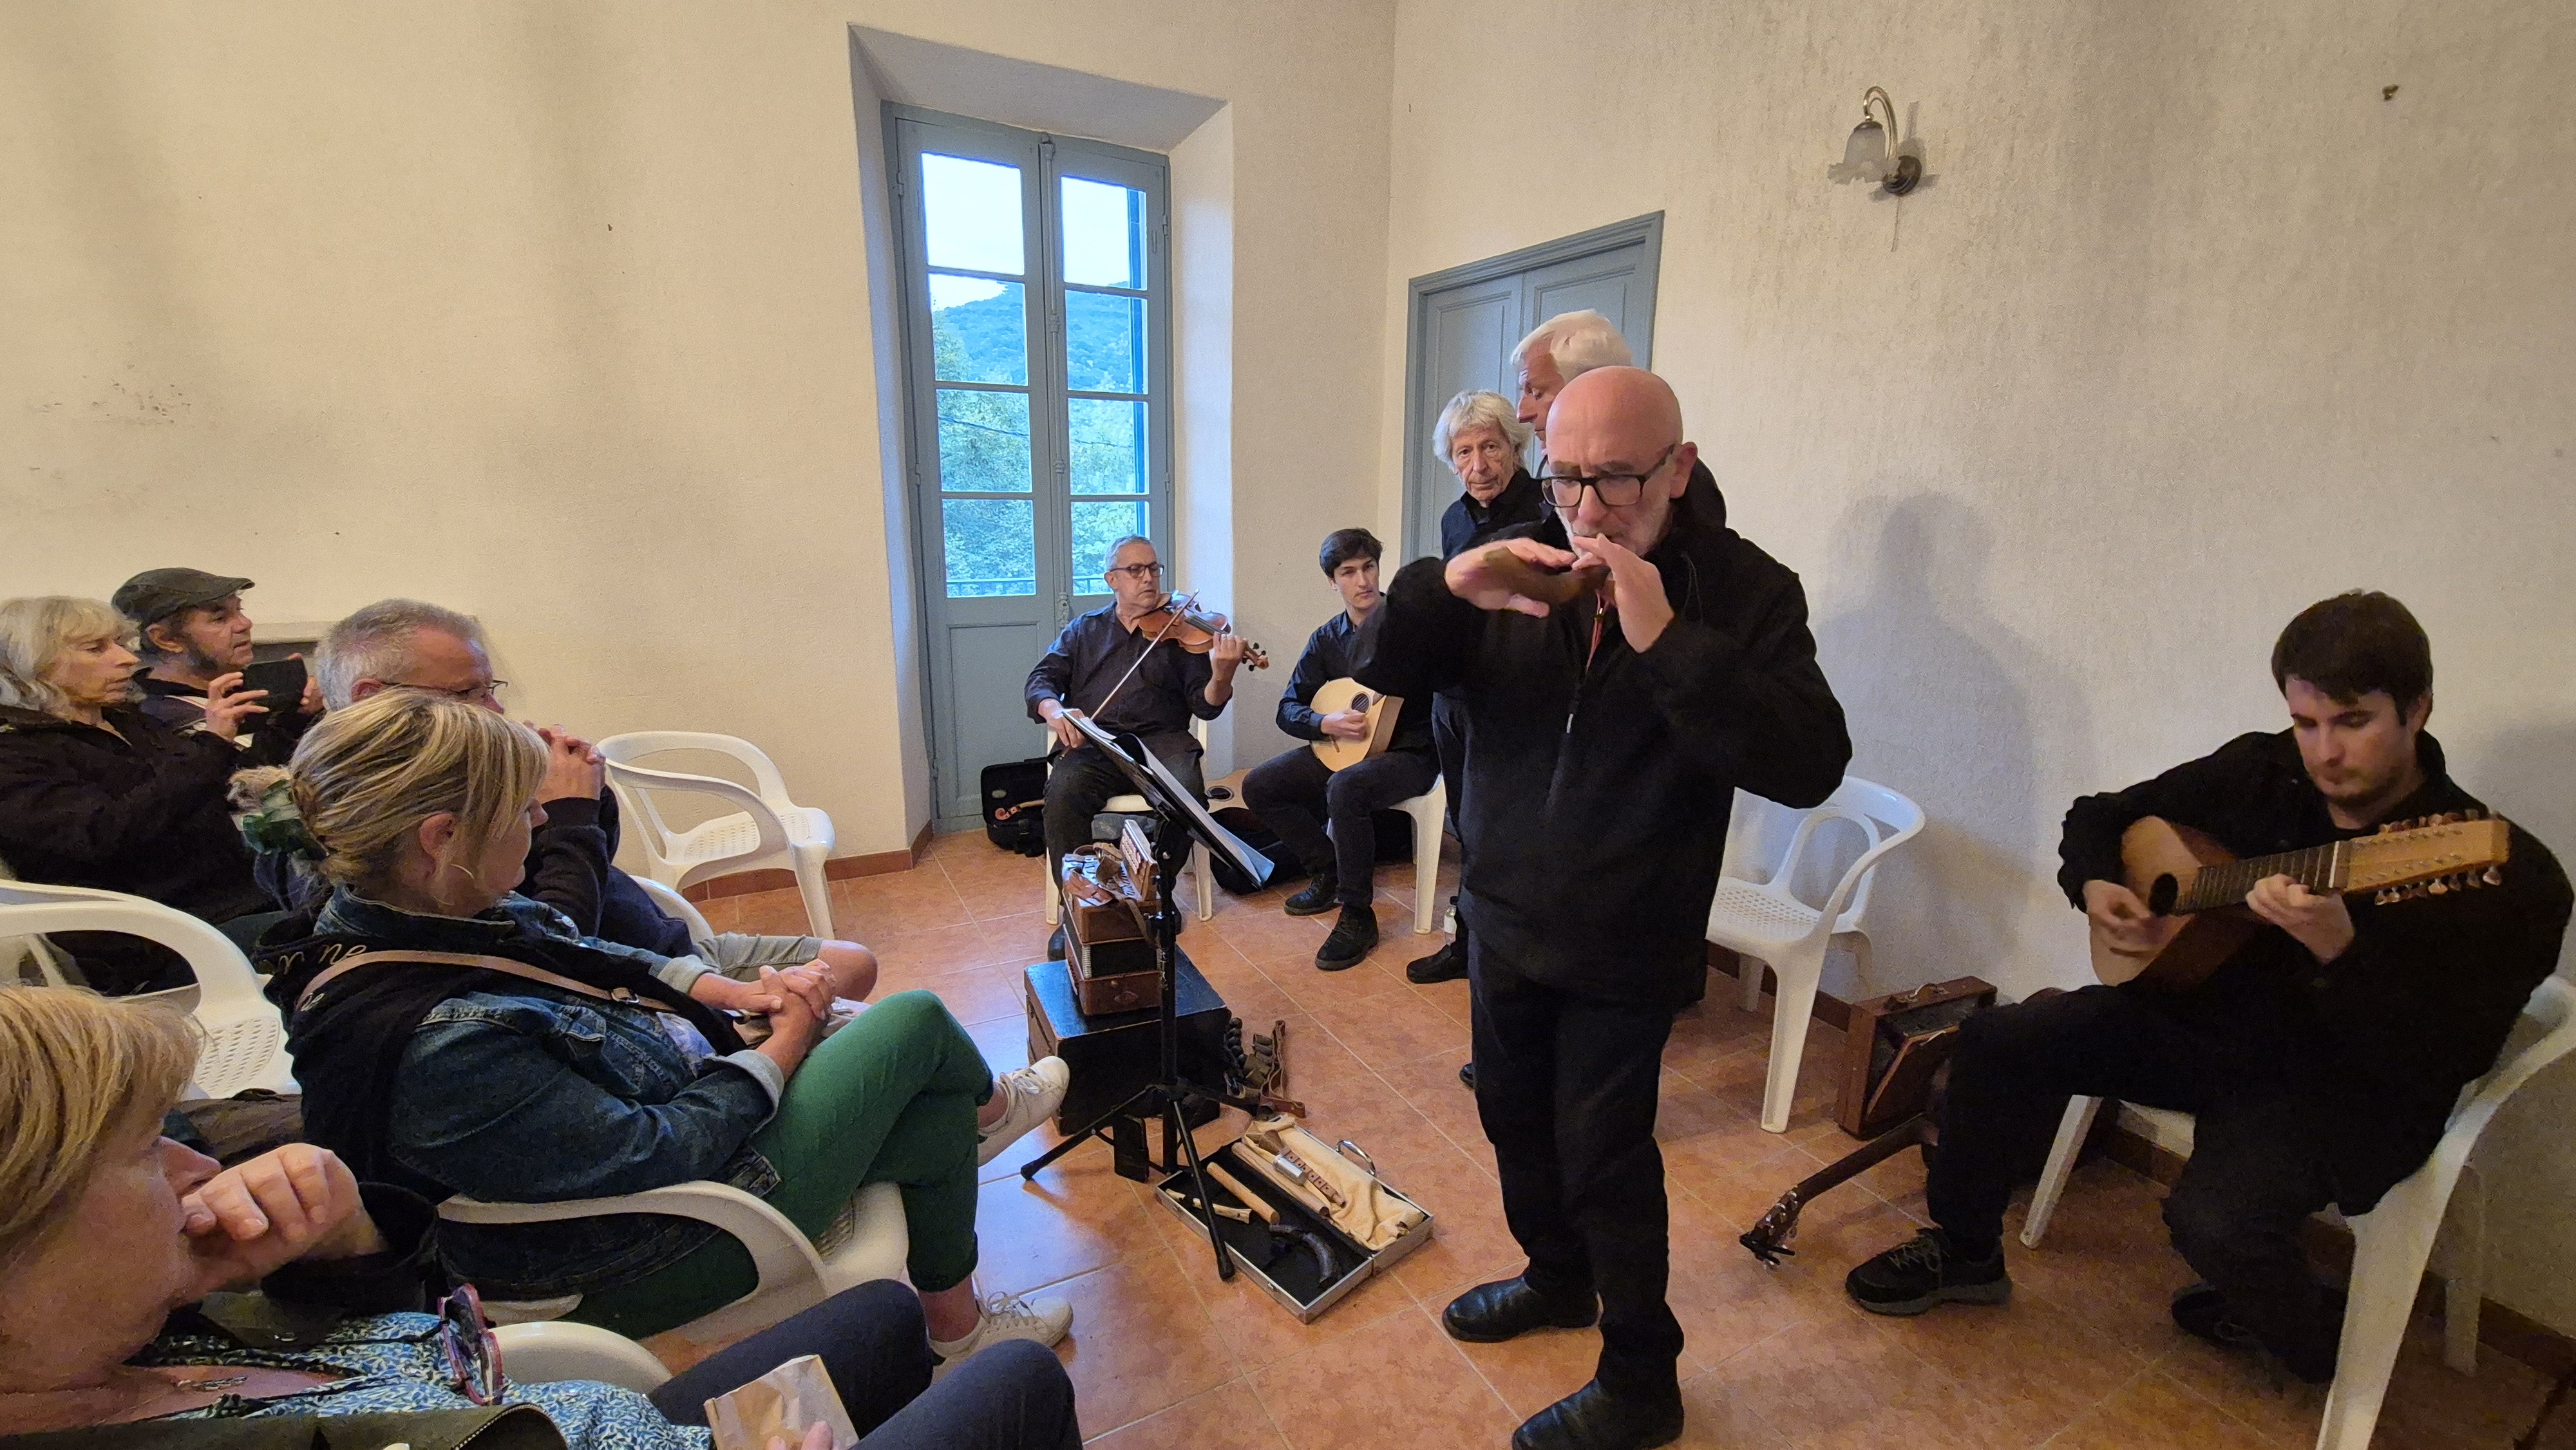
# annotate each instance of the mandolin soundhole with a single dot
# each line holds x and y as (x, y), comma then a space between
(2160, 897)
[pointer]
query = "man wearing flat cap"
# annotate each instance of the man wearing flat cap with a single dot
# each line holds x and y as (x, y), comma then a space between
(191, 633)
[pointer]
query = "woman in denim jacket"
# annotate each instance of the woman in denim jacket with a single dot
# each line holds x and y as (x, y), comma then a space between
(453, 1078)
(114, 1243)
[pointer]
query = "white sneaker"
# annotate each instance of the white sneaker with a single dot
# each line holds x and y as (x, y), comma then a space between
(1006, 1316)
(1030, 1095)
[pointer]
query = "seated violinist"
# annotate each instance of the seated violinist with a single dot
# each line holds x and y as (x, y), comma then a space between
(2320, 1058)
(1103, 665)
(1296, 793)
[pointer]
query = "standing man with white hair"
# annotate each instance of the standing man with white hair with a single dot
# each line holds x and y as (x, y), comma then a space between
(1611, 731)
(404, 643)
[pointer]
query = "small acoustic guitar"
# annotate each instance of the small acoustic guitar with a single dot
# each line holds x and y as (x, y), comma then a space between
(2185, 876)
(1334, 696)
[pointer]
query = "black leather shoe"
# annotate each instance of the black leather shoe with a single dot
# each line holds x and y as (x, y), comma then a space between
(1509, 1308)
(1316, 899)
(1055, 946)
(1354, 937)
(1445, 965)
(1467, 1075)
(1592, 1418)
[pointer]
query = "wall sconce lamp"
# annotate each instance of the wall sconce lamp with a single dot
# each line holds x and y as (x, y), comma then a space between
(1873, 154)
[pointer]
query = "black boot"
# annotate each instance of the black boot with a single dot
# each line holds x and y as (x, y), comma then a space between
(1354, 937)
(1510, 1308)
(1316, 899)
(1055, 946)
(1924, 1271)
(1445, 965)
(1593, 1418)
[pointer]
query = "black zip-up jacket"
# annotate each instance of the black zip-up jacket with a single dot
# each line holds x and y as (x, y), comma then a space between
(1466, 521)
(139, 809)
(2379, 1040)
(1597, 797)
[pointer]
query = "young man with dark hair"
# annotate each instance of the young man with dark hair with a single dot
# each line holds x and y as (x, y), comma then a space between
(190, 631)
(1296, 794)
(2321, 1060)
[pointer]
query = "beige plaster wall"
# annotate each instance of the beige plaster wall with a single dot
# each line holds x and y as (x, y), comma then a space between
(2188, 328)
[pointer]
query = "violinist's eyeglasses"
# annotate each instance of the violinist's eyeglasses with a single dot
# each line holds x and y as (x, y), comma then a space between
(1138, 571)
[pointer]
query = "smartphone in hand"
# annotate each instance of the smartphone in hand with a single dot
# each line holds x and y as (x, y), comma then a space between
(282, 679)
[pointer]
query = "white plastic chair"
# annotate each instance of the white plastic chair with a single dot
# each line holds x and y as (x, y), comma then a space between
(1430, 812)
(1762, 920)
(245, 1038)
(549, 1350)
(2394, 1241)
(869, 1241)
(765, 827)
(1201, 873)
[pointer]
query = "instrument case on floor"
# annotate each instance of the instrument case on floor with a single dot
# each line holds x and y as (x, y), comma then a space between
(1289, 1273)
(1113, 1054)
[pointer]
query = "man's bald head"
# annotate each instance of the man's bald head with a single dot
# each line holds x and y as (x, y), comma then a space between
(1615, 423)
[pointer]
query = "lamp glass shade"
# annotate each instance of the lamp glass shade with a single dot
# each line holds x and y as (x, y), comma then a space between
(1865, 157)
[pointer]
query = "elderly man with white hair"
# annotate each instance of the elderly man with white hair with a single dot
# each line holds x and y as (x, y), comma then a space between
(409, 644)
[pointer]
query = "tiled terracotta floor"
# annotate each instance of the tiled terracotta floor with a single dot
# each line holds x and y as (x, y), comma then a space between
(1167, 1358)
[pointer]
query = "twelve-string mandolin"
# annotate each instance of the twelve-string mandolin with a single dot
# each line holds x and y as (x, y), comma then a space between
(2184, 875)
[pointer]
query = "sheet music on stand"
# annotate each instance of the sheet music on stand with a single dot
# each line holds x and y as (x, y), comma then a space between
(1170, 798)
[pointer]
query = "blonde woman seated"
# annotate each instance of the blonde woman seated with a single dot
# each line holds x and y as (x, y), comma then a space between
(456, 1077)
(110, 1238)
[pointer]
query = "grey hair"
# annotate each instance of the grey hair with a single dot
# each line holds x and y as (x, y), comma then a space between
(1111, 557)
(34, 633)
(375, 644)
(1577, 342)
(1471, 410)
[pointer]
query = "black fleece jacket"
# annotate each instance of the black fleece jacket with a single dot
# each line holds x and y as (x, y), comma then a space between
(1597, 796)
(138, 809)
(2379, 1040)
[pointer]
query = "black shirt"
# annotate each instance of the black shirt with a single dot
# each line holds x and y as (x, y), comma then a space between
(1469, 522)
(2383, 1036)
(1087, 659)
(1332, 652)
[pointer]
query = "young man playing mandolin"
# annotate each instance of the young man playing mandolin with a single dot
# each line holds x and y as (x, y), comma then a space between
(1124, 677)
(2320, 1058)
(1297, 792)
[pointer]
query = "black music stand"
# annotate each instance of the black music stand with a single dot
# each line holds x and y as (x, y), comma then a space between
(1179, 819)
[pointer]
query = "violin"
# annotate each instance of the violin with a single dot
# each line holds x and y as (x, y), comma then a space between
(1177, 620)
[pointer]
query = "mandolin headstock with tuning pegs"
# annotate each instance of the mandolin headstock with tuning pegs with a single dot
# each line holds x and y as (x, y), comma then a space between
(2429, 856)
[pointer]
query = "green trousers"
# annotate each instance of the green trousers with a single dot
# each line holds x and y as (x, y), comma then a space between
(891, 1098)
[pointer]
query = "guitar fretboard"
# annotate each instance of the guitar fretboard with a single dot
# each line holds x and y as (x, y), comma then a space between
(2226, 884)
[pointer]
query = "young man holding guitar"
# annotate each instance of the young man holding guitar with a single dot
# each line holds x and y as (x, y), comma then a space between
(1297, 792)
(2321, 1051)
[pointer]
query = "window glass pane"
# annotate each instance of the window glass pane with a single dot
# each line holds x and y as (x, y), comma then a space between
(979, 330)
(1104, 342)
(1096, 526)
(1104, 234)
(970, 211)
(992, 546)
(1108, 445)
(983, 441)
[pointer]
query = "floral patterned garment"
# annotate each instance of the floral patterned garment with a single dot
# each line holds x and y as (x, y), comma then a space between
(393, 1362)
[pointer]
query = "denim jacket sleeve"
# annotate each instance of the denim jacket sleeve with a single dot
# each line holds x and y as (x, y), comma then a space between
(489, 1101)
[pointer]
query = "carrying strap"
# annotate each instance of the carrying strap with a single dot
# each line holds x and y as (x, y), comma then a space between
(623, 996)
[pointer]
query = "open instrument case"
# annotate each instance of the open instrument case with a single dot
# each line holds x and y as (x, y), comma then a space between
(1284, 1263)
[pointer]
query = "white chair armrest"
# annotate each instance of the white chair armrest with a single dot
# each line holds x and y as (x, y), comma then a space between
(780, 1253)
(549, 1350)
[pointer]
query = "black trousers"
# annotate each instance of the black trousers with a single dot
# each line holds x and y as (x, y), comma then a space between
(1082, 781)
(1295, 794)
(1013, 1396)
(1565, 1086)
(2257, 1168)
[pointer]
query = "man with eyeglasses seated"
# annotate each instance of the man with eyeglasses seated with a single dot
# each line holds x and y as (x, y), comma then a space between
(1295, 793)
(1610, 733)
(1104, 667)
(404, 643)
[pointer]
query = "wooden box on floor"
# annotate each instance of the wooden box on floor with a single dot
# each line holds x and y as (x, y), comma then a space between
(1113, 1054)
(1289, 1275)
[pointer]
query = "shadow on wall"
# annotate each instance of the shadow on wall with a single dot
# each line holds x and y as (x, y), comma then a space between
(1951, 707)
